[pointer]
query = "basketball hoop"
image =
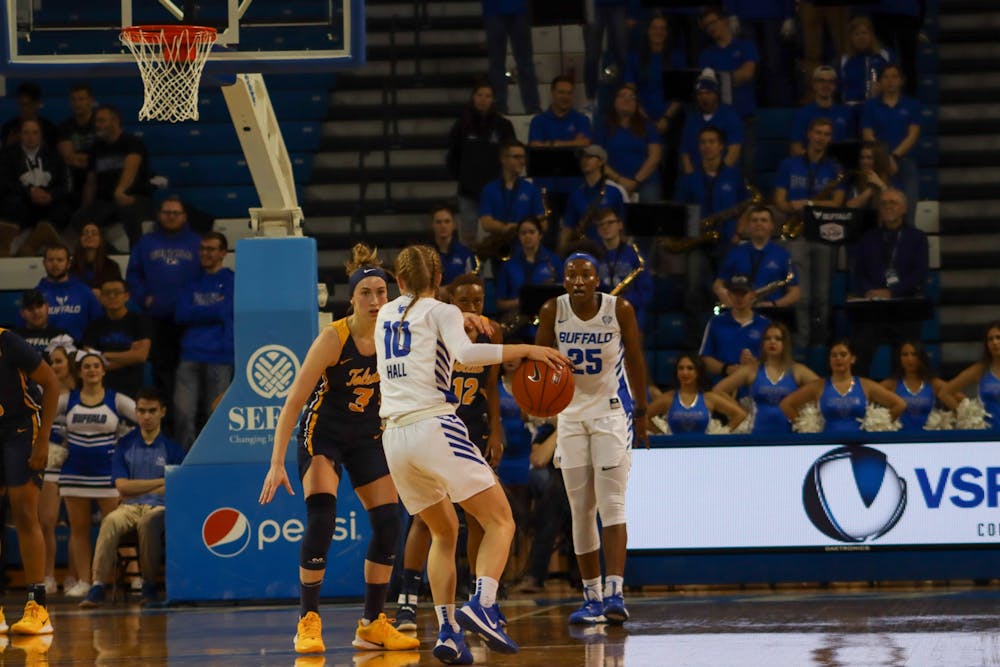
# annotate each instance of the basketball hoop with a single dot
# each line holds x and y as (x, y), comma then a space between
(171, 59)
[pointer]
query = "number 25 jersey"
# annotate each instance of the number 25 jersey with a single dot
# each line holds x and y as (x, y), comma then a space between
(598, 355)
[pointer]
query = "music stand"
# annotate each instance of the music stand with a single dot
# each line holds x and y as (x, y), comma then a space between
(898, 309)
(657, 219)
(678, 84)
(846, 153)
(558, 12)
(533, 297)
(553, 162)
(834, 225)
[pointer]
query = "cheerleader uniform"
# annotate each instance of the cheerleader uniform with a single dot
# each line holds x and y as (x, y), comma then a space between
(91, 435)
(767, 397)
(989, 394)
(688, 419)
(918, 405)
(842, 412)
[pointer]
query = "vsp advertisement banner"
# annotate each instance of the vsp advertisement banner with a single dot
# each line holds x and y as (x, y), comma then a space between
(825, 496)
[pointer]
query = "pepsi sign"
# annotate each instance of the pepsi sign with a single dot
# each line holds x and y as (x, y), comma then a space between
(225, 532)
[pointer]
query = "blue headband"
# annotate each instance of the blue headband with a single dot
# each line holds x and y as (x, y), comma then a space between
(367, 272)
(580, 255)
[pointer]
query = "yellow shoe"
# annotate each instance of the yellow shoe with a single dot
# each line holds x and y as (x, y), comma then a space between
(34, 622)
(3, 621)
(309, 636)
(310, 661)
(380, 635)
(393, 659)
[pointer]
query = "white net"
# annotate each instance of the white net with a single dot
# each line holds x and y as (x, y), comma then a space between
(171, 60)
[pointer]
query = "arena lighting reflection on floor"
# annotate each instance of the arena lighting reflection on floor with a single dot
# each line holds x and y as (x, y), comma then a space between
(923, 626)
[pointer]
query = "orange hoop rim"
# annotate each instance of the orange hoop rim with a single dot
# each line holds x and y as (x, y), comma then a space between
(155, 34)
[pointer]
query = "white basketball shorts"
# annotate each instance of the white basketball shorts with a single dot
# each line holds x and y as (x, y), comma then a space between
(603, 442)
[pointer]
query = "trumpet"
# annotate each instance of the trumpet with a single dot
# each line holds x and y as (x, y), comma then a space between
(795, 223)
(710, 225)
(630, 278)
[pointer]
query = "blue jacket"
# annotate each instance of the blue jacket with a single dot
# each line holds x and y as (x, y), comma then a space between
(72, 305)
(205, 307)
(906, 252)
(161, 265)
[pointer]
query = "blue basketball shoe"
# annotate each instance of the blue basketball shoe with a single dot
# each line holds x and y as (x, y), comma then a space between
(485, 622)
(589, 613)
(450, 648)
(614, 609)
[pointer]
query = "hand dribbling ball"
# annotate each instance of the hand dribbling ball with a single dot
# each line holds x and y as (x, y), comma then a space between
(542, 391)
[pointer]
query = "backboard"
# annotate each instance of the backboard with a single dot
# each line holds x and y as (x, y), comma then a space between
(50, 38)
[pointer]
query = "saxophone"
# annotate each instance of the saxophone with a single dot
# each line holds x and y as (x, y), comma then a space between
(580, 233)
(775, 285)
(710, 225)
(795, 223)
(630, 278)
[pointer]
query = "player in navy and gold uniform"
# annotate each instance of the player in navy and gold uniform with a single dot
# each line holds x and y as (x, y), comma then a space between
(478, 406)
(338, 386)
(25, 422)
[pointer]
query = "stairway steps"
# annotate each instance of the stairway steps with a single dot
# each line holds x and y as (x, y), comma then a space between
(401, 110)
(375, 175)
(347, 207)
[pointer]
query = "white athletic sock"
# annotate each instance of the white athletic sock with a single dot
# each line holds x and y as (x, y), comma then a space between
(446, 614)
(486, 589)
(613, 585)
(592, 589)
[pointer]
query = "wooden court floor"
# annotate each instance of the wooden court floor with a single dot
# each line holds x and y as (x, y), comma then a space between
(932, 625)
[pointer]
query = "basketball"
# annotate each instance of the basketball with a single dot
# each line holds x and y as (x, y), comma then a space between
(542, 391)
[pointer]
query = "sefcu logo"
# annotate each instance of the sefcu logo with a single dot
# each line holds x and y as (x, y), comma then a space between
(227, 532)
(271, 369)
(853, 494)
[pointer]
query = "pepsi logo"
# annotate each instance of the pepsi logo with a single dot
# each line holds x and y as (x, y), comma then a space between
(226, 532)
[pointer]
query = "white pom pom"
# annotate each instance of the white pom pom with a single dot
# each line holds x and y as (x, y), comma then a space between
(940, 420)
(971, 415)
(878, 418)
(658, 422)
(715, 427)
(57, 456)
(810, 419)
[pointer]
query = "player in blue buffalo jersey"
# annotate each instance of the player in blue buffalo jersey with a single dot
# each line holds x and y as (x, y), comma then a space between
(984, 374)
(433, 462)
(776, 376)
(843, 397)
(340, 427)
(596, 432)
(689, 407)
(914, 382)
(25, 422)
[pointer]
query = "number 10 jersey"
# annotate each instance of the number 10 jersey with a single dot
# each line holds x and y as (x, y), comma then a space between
(595, 347)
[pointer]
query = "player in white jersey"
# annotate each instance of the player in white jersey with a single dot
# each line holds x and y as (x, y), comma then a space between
(427, 447)
(595, 433)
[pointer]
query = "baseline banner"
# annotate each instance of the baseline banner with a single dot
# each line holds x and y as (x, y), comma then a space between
(830, 497)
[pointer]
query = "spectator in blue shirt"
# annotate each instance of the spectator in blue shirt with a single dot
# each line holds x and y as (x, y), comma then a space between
(633, 146)
(769, 23)
(892, 262)
(733, 337)
(862, 63)
(737, 57)
(456, 259)
(898, 24)
(714, 187)
(72, 304)
(597, 192)
(137, 471)
(645, 68)
(812, 179)
(162, 263)
(530, 263)
(510, 199)
(610, 16)
(709, 111)
(503, 20)
(205, 310)
(824, 105)
(894, 119)
(619, 260)
(763, 261)
(560, 125)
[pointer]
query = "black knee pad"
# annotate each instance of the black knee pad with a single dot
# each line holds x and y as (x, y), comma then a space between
(385, 534)
(321, 520)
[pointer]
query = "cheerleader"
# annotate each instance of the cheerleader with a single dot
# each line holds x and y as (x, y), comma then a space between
(843, 397)
(984, 374)
(770, 381)
(689, 407)
(915, 383)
